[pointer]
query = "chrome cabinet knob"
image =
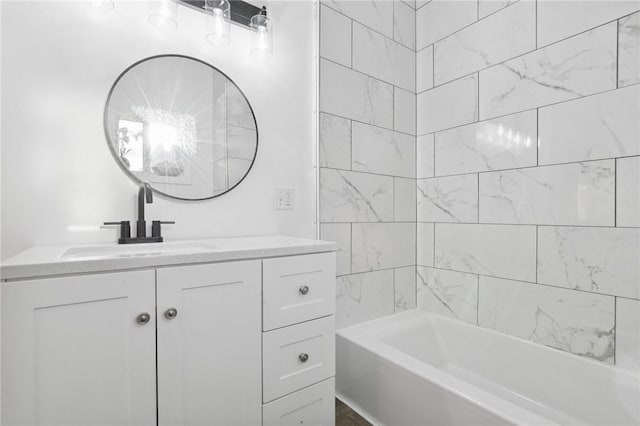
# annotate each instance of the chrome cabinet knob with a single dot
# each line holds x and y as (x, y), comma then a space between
(143, 318)
(304, 290)
(303, 357)
(171, 313)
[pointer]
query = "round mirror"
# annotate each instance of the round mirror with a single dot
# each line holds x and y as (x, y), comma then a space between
(182, 126)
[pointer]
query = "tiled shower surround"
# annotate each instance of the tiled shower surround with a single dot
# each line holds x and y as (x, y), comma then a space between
(526, 165)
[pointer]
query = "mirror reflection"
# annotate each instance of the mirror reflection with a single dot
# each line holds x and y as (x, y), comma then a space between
(182, 126)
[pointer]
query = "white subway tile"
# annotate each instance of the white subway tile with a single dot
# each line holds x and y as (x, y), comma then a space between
(628, 191)
(448, 293)
(404, 111)
(567, 194)
(502, 143)
(425, 244)
(382, 151)
(591, 128)
(559, 19)
(629, 50)
(335, 142)
(439, 18)
(576, 322)
(353, 95)
(599, 260)
(425, 160)
(448, 199)
(450, 105)
(335, 36)
(498, 250)
(383, 58)
(628, 335)
(405, 288)
(424, 69)
(382, 245)
(340, 233)
(363, 297)
(487, 7)
(579, 66)
(404, 195)
(486, 43)
(355, 197)
(404, 24)
(374, 14)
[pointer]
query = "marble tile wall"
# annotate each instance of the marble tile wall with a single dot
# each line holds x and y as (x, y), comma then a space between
(367, 153)
(528, 170)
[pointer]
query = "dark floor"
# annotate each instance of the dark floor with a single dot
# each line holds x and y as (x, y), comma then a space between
(345, 416)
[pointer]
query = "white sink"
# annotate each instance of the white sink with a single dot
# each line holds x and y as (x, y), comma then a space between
(135, 250)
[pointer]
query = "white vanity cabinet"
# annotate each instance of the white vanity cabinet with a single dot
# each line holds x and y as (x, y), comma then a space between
(236, 342)
(209, 344)
(73, 353)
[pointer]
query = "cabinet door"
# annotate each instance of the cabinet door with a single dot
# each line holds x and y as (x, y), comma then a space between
(209, 350)
(73, 353)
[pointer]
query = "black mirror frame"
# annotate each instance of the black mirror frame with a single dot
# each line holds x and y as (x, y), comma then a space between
(132, 175)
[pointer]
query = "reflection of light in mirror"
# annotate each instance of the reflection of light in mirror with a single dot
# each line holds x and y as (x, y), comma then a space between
(508, 138)
(180, 128)
(163, 136)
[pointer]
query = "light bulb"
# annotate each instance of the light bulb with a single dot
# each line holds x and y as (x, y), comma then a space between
(262, 45)
(218, 22)
(163, 14)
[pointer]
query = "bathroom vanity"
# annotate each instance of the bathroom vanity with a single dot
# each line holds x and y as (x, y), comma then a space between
(210, 332)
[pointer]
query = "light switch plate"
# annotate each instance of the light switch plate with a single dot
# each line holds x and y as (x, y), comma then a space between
(285, 199)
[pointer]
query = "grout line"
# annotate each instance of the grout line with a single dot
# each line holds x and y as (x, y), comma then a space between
(618, 54)
(367, 124)
(535, 27)
(469, 25)
(519, 55)
(556, 286)
(350, 145)
(513, 169)
(615, 328)
(527, 109)
(537, 137)
(352, 49)
(537, 251)
(367, 26)
(477, 299)
(615, 192)
(397, 222)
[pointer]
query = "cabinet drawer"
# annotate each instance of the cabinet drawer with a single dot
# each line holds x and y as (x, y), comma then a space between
(312, 406)
(297, 289)
(297, 356)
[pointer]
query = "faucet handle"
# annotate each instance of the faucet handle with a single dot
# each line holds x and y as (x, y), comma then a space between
(125, 228)
(156, 228)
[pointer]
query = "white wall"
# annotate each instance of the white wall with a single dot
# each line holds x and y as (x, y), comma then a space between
(59, 180)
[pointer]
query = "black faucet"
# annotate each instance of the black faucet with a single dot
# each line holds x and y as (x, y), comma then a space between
(145, 195)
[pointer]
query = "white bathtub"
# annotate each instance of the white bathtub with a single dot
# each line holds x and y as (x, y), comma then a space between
(415, 368)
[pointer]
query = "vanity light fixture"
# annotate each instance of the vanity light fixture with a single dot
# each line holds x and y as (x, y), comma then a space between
(219, 22)
(222, 13)
(262, 45)
(163, 14)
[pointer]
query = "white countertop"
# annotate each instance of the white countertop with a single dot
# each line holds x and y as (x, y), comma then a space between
(54, 260)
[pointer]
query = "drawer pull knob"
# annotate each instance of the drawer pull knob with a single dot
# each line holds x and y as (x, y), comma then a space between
(304, 290)
(303, 357)
(171, 313)
(143, 318)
